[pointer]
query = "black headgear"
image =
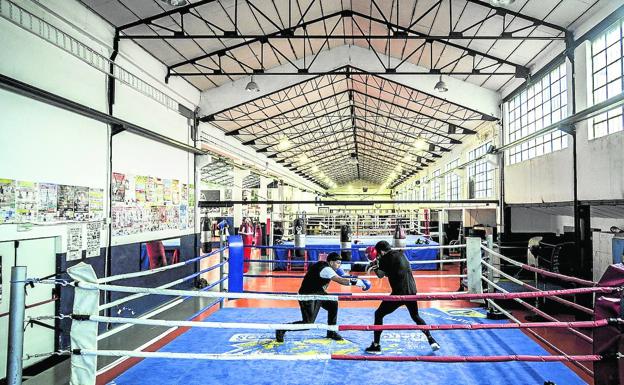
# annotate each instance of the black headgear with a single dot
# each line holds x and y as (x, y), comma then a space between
(333, 256)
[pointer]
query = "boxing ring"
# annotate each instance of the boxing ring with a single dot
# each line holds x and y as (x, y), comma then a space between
(237, 345)
(318, 245)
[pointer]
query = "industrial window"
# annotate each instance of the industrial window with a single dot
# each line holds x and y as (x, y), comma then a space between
(452, 181)
(423, 189)
(436, 186)
(543, 103)
(607, 79)
(480, 174)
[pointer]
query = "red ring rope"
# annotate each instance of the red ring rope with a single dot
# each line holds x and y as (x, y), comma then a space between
(470, 296)
(577, 324)
(451, 359)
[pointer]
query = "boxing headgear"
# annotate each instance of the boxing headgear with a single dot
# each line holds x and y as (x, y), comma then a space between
(371, 253)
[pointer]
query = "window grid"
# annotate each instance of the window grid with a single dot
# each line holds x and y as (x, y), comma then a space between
(543, 103)
(452, 181)
(423, 189)
(607, 80)
(481, 172)
(436, 186)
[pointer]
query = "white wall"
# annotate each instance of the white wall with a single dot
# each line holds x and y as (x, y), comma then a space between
(46, 144)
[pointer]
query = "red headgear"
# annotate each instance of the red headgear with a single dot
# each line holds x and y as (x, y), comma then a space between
(371, 253)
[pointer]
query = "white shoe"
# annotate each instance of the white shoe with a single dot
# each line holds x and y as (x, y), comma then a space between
(435, 346)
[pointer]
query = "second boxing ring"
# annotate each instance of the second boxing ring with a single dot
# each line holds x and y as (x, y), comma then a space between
(242, 339)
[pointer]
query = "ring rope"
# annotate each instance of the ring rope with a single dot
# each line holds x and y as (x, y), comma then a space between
(165, 286)
(324, 357)
(540, 312)
(422, 246)
(357, 276)
(203, 356)
(467, 359)
(534, 269)
(159, 269)
(539, 337)
(423, 262)
(414, 297)
(526, 285)
(317, 326)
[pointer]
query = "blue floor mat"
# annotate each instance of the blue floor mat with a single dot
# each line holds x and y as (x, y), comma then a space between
(408, 343)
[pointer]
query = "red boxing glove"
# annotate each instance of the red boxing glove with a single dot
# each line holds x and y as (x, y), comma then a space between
(371, 253)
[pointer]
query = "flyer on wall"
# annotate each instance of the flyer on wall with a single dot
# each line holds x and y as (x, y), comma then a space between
(81, 200)
(93, 239)
(160, 191)
(184, 193)
(66, 202)
(119, 187)
(130, 197)
(25, 201)
(167, 190)
(96, 203)
(183, 217)
(150, 189)
(175, 192)
(7, 200)
(140, 188)
(191, 199)
(74, 241)
(48, 202)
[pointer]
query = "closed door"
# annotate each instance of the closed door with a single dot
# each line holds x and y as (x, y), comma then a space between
(39, 257)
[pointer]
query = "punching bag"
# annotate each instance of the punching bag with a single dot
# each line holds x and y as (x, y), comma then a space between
(345, 246)
(345, 242)
(300, 243)
(399, 238)
(206, 245)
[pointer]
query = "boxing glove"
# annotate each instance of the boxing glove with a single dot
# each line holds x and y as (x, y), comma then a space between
(363, 283)
(340, 272)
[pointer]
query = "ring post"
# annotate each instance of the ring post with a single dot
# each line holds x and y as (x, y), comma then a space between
(492, 260)
(17, 308)
(235, 264)
(473, 263)
(221, 260)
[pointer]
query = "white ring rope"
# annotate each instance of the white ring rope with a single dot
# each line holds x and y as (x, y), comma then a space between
(206, 356)
(159, 269)
(204, 294)
(135, 296)
(212, 325)
(539, 312)
(501, 256)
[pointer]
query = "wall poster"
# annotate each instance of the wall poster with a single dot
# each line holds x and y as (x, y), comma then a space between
(66, 202)
(120, 184)
(7, 200)
(93, 239)
(74, 241)
(47, 202)
(25, 201)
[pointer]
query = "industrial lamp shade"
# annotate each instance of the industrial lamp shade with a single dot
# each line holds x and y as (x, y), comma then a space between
(501, 3)
(252, 86)
(176, 3)
(441, 86)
